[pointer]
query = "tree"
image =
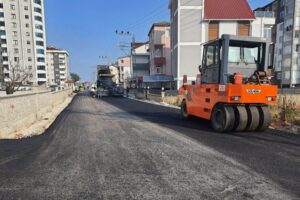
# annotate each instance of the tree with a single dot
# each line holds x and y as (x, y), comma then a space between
(17, 77)
(75, 77)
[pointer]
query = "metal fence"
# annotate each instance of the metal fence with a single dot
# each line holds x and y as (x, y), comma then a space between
(289, 91)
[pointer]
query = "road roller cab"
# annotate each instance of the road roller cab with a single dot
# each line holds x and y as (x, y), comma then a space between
(233, 89)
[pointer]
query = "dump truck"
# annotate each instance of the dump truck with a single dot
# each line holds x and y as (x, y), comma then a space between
(107, 83)
(233, 89)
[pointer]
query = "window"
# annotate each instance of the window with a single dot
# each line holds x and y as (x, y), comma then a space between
(13, 16)
(39, 43)
(40, 51)
(2, 32)
(243, 28)
(29, 59)
(298, 47)
(27, 34)
(267, 32)
(1, 14)
(27, 25)
(37, 10)
(28, 50)
(38, 2)
(15, 42)
(28, 42)
(12, 7)
(16, 59)
(38, 18)
(40, 35)
(210, 55)
(158, 70)
(213, 30)
(41, 75)
(41, 59)
(38, 26)
(297, 34)
(14, 25)
(26, 16)
(26, 8)
(41, 67)
(15, 33)
(16, 50)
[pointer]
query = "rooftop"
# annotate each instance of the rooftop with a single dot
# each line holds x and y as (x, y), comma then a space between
(227, 10)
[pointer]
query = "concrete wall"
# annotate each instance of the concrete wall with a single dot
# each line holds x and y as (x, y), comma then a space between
(20, 111)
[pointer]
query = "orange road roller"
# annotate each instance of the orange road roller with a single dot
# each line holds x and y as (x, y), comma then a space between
(233, 89)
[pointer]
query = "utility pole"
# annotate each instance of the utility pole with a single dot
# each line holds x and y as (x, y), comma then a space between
(132, 50)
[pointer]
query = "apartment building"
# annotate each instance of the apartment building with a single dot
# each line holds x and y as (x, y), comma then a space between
(159, 49)
(58, 70)
(124, 64)
(140, 60)
(194, 22)
(287, 48)
(23, 39)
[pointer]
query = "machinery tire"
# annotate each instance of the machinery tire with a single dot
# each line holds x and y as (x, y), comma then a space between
(265, 118)
(223, 118)
(241, 119)
(183, 110)
(253, 118)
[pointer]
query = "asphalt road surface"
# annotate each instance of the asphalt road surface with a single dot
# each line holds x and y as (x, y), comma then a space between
(117, 148)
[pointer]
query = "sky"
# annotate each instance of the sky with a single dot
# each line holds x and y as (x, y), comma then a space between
(86, 28)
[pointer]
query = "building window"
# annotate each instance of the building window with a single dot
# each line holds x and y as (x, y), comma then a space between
(40, 35)
(29, 59)
(37, 10)
(14, 25)
(27, 25)
(39, 43)
(13, 16)
(28, 50)
(298, 47)
(41, 75)
(158, 70)
(28, 42)
(40, 51)
(267, 32)
(41, 67)
(16, 50)
(15, 42)
(243, 28)
(297, 34)
(213, 30)
(26, 16)
(27, 34)
(16, 59)
(15, 33)
(38, 18)
(41, 59)
(25, 7)
(38, 26)
(12, 7)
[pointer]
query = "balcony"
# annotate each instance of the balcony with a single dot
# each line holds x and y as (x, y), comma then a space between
(264, 14)
(159, 61)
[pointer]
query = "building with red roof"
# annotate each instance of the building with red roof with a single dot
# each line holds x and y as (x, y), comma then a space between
(195, 22)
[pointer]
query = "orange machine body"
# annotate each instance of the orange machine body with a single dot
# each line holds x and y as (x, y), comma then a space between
(202, 98)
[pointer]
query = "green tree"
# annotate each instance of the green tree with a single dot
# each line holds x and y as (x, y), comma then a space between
(75, 77)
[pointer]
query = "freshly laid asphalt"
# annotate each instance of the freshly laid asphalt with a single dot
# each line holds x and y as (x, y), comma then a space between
(118, 148)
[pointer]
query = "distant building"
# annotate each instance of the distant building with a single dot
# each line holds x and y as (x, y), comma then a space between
(196, 22)
(159, 49)
(58, 69)
(23, 38)
(124, 64)
(287, 48)
(140, 60)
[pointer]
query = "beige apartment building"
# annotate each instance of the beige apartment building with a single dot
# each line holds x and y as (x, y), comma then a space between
(159, 49)
(124, 64)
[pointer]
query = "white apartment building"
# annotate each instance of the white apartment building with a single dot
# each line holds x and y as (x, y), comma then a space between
(195, 22)
(287, 49)
(58, 70)
(23, 39)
